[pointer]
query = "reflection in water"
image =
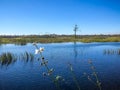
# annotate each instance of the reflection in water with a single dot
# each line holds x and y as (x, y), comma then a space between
(75, 51)
(80, 51)
(26, 56)
(22, 76)
(8, 58)
(21, 43)
(111, 52)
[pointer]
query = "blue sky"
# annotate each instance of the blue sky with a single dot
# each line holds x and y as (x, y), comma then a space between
(23, 17)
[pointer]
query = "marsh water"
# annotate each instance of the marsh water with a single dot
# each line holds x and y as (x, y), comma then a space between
(28, 75)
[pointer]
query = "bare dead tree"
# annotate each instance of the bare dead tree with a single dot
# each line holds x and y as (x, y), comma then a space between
(75, 29)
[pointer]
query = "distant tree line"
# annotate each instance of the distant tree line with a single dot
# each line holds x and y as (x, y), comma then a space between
(56, 35)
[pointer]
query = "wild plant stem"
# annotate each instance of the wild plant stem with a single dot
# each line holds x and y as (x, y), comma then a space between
(75, 80)
(74, 77)
(96, 76)
(48, 69)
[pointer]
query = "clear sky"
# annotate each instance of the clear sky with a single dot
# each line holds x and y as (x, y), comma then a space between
(59, 16)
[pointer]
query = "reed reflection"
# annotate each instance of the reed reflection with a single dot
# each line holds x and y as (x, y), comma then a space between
(8, 58)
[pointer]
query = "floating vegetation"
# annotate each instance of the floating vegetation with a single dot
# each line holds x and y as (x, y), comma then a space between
(112, 51)
(7, 58)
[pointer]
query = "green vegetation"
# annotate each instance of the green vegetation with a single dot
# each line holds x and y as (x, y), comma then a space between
(74, 76)
(7, 58)
(23, 39)
(57, 79)
(26, 57)
(112, 51)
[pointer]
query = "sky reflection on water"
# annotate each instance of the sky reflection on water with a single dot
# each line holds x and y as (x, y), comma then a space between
(28, 75)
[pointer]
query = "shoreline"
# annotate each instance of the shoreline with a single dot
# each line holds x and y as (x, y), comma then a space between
(58, 39)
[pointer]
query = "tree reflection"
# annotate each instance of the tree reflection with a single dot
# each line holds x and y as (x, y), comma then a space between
(75, 51)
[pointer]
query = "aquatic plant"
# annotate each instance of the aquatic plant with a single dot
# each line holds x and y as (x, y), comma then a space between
(94, 74)
(26, 56)
(7, 58)
(74, 76)
(55, 78)
(118, 51)
(111, 52)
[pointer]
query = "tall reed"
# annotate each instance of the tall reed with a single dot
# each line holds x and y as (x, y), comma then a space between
(7, 58)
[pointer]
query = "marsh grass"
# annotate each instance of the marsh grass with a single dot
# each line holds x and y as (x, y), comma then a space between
(22, 40)
(118, 51)
(111, 52)
(26, 56)
(7, 58)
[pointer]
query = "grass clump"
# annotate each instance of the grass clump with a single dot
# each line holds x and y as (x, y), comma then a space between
(7, 58)
(26, 56)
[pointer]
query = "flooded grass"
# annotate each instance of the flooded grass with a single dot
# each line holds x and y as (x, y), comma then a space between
(26, 56)
(112, 52)
(90, 74)
(8, 58)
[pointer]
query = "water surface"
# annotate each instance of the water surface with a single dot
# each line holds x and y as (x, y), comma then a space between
(23, 75)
